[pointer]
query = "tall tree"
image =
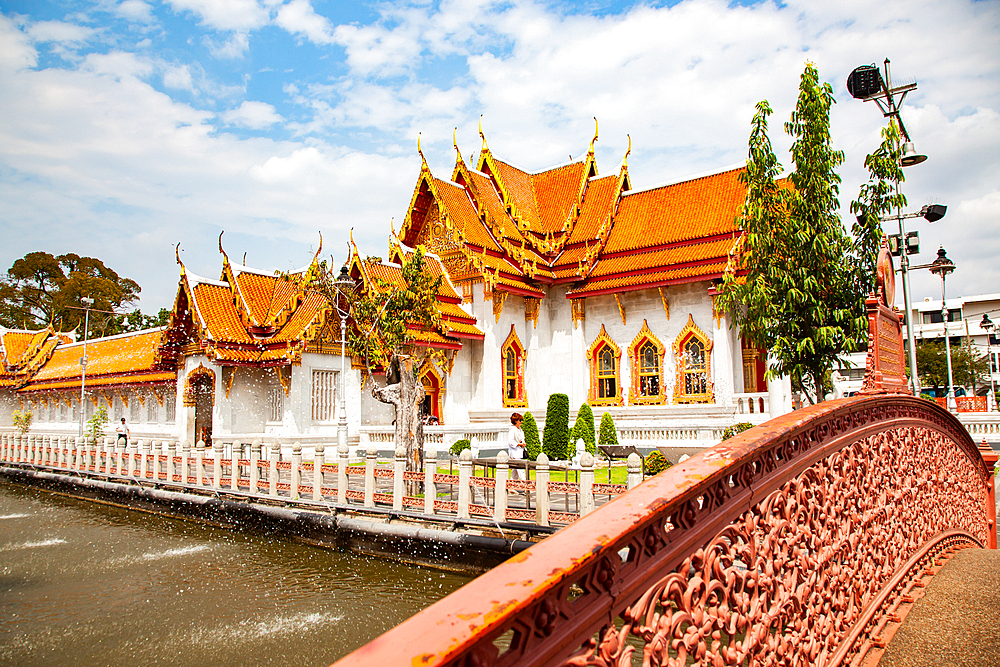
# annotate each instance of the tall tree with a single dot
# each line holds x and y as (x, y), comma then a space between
(969, 368)
(800, 297)
(42, 289)
(384, 319)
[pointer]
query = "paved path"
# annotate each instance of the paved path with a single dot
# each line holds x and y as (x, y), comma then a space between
(957, 623)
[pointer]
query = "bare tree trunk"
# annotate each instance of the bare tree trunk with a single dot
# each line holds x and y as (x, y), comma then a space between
(406, 394)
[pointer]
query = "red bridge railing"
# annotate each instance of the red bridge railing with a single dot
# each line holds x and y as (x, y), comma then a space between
(793, 543)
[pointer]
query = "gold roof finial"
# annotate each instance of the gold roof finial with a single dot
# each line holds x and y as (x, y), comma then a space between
(625, 159)
(590, 151)
(177, 254)
(392, 225)
(420, 150)
(481, 135)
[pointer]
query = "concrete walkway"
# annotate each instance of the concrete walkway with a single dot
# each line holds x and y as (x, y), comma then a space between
(957, 623)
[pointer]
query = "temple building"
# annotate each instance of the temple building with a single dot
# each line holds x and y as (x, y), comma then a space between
(554, 281)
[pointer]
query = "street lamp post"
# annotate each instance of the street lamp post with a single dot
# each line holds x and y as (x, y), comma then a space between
(942, 266)
(87, 303)
(866, 83)
(341, 284)
(987, 326)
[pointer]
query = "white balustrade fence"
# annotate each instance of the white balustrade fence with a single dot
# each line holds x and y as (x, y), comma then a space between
(258, 469)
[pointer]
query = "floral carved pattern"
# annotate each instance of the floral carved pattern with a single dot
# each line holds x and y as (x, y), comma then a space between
(787, 581)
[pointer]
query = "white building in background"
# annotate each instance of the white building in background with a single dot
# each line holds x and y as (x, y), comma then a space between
(965, 315)
(555, 281)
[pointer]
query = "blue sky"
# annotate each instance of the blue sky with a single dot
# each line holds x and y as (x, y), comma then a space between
(127, 126)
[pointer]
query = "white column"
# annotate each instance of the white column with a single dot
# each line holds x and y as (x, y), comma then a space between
(199, 463)
(371, 454)
(500, 488)
(318, 471)
(296, 470)
(217, 465)
(430, 489)
(634, 465)
(272, 469)
(343, 452)
(234, 466)
(723, 365)
(542, 489)
(399, 468)
(254, 466)
(464, 475)
(586, 484)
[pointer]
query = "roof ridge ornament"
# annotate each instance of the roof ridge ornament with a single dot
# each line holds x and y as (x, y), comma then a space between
(627, 151)
(482, 136)
(590, 151)
(177, 255)
(421, 152)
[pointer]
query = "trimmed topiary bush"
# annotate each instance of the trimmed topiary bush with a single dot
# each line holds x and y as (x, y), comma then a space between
(584, 428)
(736, 429)
(556, 433)
(532, 444)
(656, 463)
(459, 446)
(609, 434)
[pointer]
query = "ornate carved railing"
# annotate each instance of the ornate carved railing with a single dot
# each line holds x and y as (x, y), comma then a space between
(793, 543)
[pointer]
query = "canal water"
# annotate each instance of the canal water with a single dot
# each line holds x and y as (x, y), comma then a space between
(89, 584)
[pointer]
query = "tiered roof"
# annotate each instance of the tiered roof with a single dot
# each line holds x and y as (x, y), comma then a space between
(127, 359)
(24, 351)
(248, 317)
(519, 231)
(456, 323)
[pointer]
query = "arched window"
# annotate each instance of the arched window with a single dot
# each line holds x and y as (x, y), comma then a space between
(646, 355)
(694, 377)
(433, 404)
(604, 357)
(512, 358)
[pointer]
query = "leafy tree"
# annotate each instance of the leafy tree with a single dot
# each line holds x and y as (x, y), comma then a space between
(968, 367)
(42, 289)
(800, 297)
(137, 320)
(532, 444)
(736, 429)
(556, 433)
(583, 427)
(608, 434)
(656, 463)
(384, 320)
(876, 200)
(22, 421)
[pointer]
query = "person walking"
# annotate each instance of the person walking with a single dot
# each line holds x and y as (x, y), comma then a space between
(515, 443)
(122, 431)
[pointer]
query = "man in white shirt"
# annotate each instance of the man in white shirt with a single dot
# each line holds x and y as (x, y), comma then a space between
(515, 443)
(122, 431)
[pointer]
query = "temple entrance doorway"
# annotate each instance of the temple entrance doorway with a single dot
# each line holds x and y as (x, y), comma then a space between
(200, 394)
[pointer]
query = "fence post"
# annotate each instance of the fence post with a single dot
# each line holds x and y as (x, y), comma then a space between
(371, 455)
(272, 468)
(255, 466)
(397, 478)
(296, 470)
(542, 489)
(120, 456)
(234, 465)
(44, 455)
(199, 463)
(217, 465)
(186, 462)
(586, 483)
(342, 453)
(143, 464)
(464, 475)
(76, 452)
(634, 465)
(430, 490)
(500, 487)
(318, 459)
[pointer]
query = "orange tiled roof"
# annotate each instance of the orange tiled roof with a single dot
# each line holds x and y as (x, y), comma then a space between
(25, 351)
(123, 359)
(655, 279)
(264, 295)
(566, 224)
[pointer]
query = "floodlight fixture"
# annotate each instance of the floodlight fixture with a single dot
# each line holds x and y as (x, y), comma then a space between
(933, 212)
(910, 155)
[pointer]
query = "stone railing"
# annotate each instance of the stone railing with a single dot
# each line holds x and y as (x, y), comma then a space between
(279, 472)
(440, 437)
(982, 425)
(796, 542)
(752, 407)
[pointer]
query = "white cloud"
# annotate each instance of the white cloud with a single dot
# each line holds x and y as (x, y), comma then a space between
(233, 47)
(16, 51)
(59, 31)
(239, 15)
(299, 18)
(254, 115)
(178, 77)
(135, 10)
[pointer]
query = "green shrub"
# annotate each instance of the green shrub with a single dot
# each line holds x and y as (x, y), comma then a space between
(584, 428)
(532, 444)
(556, 433)
(460, 446)
(736, 429)
(656, 463)
(97, 424)
(609, 434)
